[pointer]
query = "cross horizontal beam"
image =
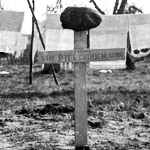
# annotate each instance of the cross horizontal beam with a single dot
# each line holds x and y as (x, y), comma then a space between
(85, 55)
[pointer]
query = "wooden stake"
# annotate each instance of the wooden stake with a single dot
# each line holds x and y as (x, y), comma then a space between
(41, 39)
(31, 49)
(80, 55)
(80, 93)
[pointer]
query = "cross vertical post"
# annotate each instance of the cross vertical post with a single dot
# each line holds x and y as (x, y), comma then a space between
(80, 56)
(80, 42)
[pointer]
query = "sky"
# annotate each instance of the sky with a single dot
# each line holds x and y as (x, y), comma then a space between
(40, 8)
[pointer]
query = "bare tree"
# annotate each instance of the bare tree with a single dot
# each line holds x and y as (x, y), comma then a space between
(133, 9)
(115, 11)
(121, 10)
(116, 6)
(122, 7)
(96, 6)
(55, 7)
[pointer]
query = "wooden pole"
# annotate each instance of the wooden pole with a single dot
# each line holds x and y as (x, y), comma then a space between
(41, 39)
(31, 49)
(36, 23)
(80, 93)
(80, 56)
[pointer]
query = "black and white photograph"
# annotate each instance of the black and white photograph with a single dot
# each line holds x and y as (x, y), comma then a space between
(74, 75)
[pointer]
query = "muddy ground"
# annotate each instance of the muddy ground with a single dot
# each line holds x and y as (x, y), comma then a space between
(41, 116)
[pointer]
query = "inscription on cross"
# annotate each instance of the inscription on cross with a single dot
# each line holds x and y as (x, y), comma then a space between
(80, 55)
(84, 55)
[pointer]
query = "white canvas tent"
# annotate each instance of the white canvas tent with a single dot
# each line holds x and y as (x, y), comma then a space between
(11, 21)
(108, 39)
(139, 29)
(10, 32)
(62, 39)
(111, 33)
(58, 38)
(140, 39)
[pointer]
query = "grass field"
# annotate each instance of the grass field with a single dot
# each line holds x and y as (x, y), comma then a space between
(41, 115)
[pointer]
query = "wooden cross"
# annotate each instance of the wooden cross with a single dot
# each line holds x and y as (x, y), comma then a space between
(80, 55)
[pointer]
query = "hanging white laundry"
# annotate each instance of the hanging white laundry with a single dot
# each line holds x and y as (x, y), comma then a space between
(140, 40)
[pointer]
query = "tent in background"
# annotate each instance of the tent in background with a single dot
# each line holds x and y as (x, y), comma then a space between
(11, 21)
(62, 39)
(10, 32)
(140, 40)
(139, 29)
(58, 38)
(111, 33)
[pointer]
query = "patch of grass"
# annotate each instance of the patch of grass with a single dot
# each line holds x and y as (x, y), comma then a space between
(23, 95)
(106, 94)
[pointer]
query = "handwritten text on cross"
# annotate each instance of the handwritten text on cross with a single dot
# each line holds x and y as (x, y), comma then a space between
(81, 55)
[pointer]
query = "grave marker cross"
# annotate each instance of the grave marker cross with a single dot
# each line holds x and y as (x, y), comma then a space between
(80, 55)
